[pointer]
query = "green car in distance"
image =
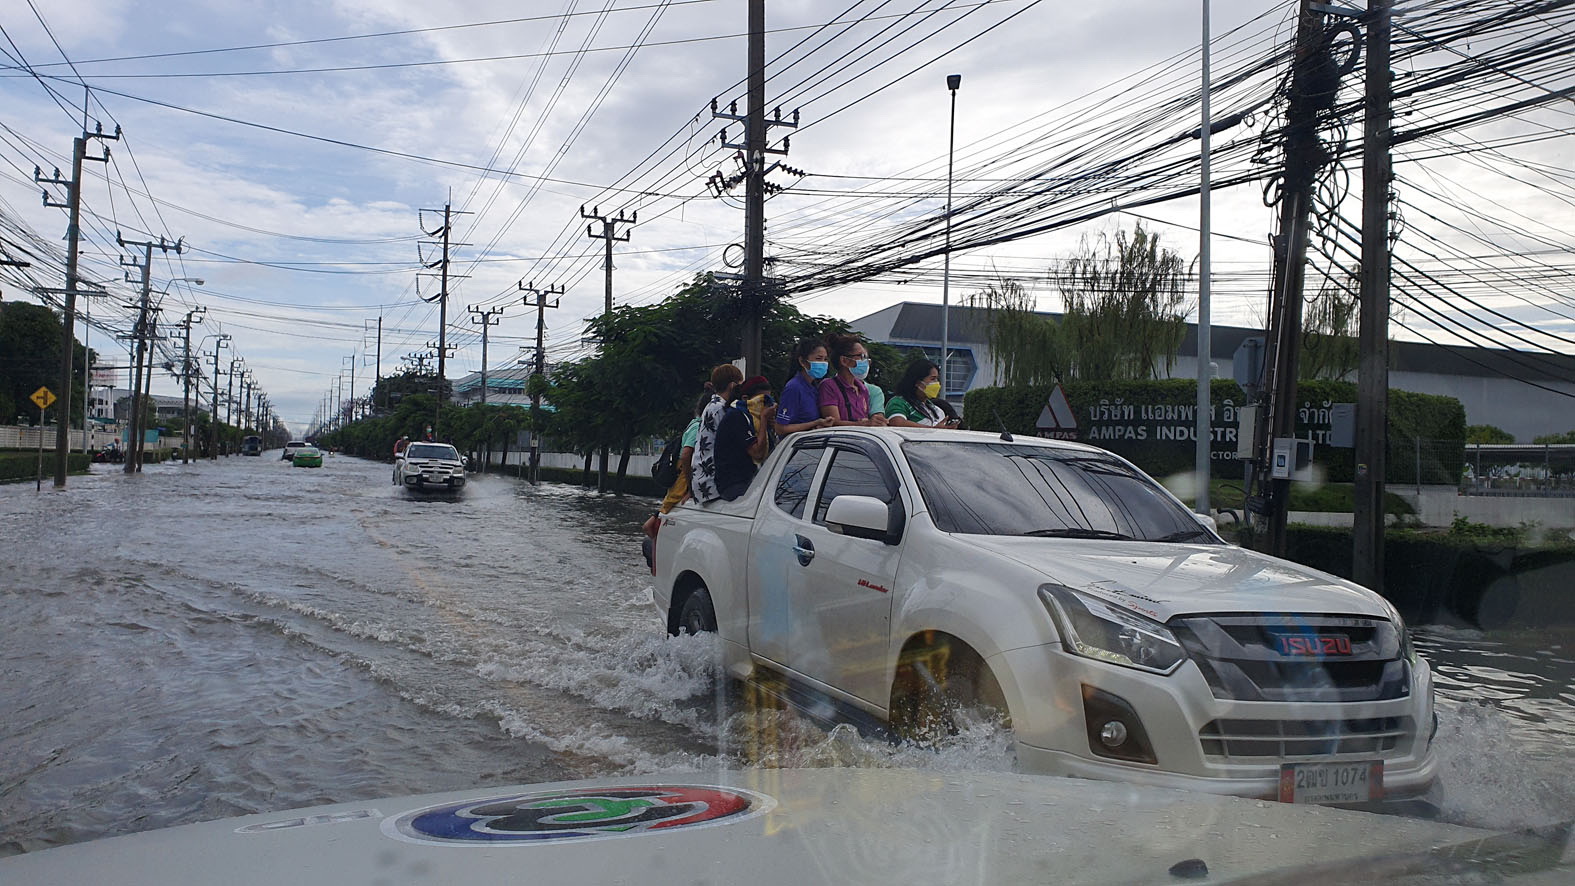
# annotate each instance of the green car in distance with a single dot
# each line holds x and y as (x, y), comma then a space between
(308, 457)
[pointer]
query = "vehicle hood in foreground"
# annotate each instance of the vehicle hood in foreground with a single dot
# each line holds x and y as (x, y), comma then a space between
(1163, 579)
(790, 827)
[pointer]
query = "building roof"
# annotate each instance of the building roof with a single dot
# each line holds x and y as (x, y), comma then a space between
(918, 322)
(504, 377)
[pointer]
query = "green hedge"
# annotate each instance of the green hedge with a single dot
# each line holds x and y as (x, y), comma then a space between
(1435, 577)
(1438, 422)
(18, 466)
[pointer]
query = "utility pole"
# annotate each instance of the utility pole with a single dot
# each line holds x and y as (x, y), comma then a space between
(143, 331)
(185, 375)
(540, 368)
(246, 402)
(213, 417)
(754, 150)
(444, 231)
(229, 396)
(1372, 393)
(377, 368)
(1313, 86)
(73, 207)
(350, 401)
(487, 318)
(609, 234)
(440, 352)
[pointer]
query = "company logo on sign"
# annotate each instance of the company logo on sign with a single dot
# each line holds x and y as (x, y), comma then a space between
(1057, 420)
(577, 814)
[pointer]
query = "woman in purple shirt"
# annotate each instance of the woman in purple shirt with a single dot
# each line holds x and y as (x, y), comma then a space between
(799, 409)
(843, 397)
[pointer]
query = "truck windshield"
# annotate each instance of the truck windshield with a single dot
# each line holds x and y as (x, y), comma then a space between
(1006, 489)
(432, 450)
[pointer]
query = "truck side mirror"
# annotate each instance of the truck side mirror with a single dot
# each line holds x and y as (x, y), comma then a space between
(862, 516)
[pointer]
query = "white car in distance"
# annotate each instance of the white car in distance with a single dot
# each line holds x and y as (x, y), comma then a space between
(913, 574)
(430, 467)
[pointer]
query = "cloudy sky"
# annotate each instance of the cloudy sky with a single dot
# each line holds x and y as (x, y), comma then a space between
(296, 147)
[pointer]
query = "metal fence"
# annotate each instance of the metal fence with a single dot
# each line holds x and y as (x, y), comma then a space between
(1519, 469)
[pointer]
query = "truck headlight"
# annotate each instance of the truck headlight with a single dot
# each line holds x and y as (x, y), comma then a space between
(1092, 628)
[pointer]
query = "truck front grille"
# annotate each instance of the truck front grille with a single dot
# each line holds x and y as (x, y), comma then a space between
(1245, 657)
(1278, 739)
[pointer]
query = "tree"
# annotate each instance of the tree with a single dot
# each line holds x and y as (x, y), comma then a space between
(30, 359)
(1025, 346)
(654, 360)
(390, 389)
(1329, 343)
(1126, 306)
(1488, 434)
(1566, 437)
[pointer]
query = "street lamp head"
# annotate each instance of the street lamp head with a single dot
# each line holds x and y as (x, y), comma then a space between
(953, 81)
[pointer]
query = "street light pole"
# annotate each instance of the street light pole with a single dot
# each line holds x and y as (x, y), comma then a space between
(1204, 449)
(185, 376)
(952, 82)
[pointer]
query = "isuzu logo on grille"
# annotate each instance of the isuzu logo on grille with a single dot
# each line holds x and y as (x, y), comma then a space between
(1314, 645)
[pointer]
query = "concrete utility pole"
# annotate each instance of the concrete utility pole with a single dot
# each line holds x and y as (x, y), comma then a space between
(487, 318)
(377, 367)
(229, 396)
(1372, 395)
(144, 356)
(540, 368)
(755, 187)
(73, 207)
(441, 298)
(350, 401)
(609, 234)
(1313, 86)
(185, 374)
(223, 341)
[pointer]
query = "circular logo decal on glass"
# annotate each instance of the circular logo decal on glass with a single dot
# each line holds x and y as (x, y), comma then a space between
(577, 814)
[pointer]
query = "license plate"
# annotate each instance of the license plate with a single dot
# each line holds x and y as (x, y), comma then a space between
(1356, 782)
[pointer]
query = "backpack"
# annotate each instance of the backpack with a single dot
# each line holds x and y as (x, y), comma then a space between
(665, 470)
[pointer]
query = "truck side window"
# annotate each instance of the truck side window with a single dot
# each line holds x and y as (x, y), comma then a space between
(851, 473)
(793, 485)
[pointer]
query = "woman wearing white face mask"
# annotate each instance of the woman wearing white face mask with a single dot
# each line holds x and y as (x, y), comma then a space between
(916, 398)
(799, 409)
(843, 397)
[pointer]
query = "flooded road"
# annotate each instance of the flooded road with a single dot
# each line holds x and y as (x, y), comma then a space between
(243, 636)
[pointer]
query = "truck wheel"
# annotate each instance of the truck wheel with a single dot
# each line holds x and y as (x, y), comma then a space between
(939, 693)
(697, 615)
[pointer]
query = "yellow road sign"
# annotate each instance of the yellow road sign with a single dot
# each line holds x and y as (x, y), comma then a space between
(43, 397)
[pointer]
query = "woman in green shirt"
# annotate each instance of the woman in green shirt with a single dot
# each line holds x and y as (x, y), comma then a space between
(912, 401)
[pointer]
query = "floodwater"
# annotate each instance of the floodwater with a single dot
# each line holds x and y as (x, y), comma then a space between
(243, 636)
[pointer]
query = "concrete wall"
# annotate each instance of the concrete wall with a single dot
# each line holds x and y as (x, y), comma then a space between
(638, 464)
(1439, 505)
(14, 437)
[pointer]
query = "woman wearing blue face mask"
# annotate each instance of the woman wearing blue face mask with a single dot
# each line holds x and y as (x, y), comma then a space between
(800, 408)
(843, 396)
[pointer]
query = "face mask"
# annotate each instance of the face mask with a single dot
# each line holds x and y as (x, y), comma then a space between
(817, 368)
(861, 368)
(932, 390)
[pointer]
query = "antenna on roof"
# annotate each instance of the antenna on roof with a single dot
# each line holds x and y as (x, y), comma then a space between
(1005, 435)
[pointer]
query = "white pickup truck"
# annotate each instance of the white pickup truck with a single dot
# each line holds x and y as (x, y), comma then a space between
(917, 573)
(430, 467)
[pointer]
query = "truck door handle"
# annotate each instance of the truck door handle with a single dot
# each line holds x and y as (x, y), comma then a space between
(804, 548)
